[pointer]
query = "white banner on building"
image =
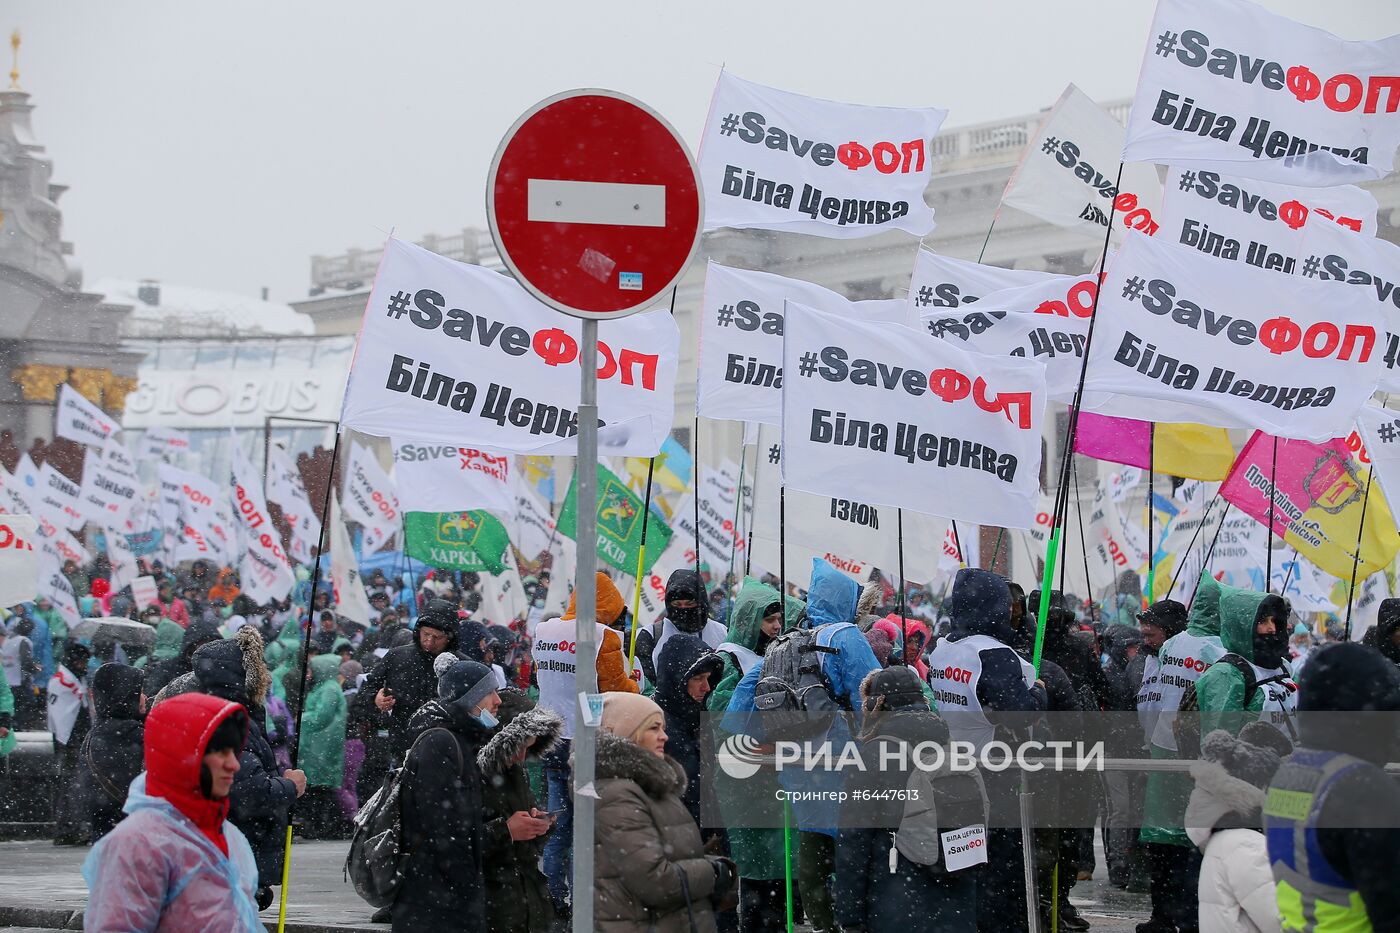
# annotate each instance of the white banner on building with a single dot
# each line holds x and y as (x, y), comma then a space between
(80, 420)
(19, 561)
(456, 354)
(854, 537)
(740, 370)
(370, 499)
(349, 590)
(890, 416)
(1228, 86)
(444, 477)
(781, 161)
(161, 442)
(1068, 174)
(1231, 345)
(285, 488)
(263, 568)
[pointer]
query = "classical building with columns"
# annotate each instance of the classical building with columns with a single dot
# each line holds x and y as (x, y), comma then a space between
(52, 331)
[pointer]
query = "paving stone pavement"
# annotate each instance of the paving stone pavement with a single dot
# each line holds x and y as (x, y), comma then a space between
(41, 888)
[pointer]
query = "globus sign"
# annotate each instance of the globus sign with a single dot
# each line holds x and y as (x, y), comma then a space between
(594, 203)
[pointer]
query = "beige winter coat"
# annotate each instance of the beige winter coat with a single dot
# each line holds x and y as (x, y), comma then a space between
(646, 842)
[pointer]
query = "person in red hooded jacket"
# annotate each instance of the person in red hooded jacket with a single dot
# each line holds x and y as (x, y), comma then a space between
(175, 864)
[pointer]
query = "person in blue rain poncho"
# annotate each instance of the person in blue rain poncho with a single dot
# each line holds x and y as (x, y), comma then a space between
(831, 609)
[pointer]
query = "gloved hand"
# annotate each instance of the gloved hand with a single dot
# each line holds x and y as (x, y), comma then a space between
(726, 875)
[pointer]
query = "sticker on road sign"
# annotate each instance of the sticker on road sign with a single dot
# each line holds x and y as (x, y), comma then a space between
(631, 281)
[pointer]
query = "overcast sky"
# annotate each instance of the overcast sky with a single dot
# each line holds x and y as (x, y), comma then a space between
(221, 145)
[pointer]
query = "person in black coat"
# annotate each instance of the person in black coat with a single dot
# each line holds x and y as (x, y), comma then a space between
(403, 680)
(198, 632)
(233, 669)
(913, 898)
(686, 671)
(112, 754)
(442, 804)
(517, 894)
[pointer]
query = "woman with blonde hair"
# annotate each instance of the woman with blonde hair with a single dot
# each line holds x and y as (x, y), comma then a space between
(652, 871)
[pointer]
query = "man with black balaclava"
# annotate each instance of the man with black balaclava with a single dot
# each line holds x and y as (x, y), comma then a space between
(1254, 632)
(687, 612)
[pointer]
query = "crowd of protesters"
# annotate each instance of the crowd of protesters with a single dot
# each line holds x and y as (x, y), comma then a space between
(480, 713)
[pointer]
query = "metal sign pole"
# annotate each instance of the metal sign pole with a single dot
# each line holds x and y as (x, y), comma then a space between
(585, 592)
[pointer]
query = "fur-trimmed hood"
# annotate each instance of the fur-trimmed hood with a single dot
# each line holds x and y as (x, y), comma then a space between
(617, 758)
(232, 669)
(1220, 798)
(540, 724)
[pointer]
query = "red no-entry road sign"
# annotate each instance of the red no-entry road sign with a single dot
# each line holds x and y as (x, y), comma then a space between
(594, 203)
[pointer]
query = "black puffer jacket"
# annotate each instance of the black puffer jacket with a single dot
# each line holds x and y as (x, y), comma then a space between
(408, 672)
(112, 755)
(683, 657)
(517, 897)
(443, 824)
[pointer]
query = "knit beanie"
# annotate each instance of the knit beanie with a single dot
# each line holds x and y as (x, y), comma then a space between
(1251, 763)
(463, 683)
(629, 714)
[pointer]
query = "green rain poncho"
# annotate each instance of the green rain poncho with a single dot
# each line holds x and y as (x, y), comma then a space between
(323, 725)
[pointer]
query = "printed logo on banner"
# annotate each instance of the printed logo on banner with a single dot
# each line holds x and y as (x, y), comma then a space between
(615, 509)
(776, 160)
(1313, 110)
(457, 528)
(1231, 346)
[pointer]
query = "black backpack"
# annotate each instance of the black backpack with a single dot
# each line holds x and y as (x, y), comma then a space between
(1187, 729)
(375, 862)
(793, 694)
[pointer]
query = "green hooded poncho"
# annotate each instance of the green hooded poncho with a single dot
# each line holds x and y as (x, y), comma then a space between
(1164, 803)
(322, 746)
(1221, 688)
(282, 654)
(757, 852)
(7, 706)
(169, 636)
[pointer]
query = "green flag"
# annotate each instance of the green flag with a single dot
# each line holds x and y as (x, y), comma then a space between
(472, 540)
(620, 515)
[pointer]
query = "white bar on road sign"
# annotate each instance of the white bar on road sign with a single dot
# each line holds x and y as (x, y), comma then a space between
(596, 202)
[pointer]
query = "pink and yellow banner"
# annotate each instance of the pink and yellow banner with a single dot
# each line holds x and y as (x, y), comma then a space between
(1318, 494)
(1193, 451)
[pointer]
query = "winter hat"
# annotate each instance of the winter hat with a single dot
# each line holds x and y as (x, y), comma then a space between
(351, 671)
(892, 688)
(463, 683)
(1240, 759)
(1167, 615)
(513, 702)
(218, 669)
(880, 644)
(1349, 677)
(980, 595)
(439, 614)
(629, 714)
(1263, 735)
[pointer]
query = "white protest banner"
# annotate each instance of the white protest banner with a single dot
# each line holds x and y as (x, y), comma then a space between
(145, 591)
(1266, 225)
(1107, 548)
(1035, 541)
(1047, 321)
(54, 585)
(285, 488)
(54, 495)
(944, 282)
(854, 537)
(14, 495)
(1231, 345)
(1380, 431)
(263, 568)
(19, 561)
(1370, 593)
(79, 420)
(1294, 580)
(564, 564)
(158, 442)
(370, 499)
(651, 607)
(194, 515)
(503, 596)
(888, 415)
(740, 369)
(451, 353)
(960, 548)
(445, 478)
(122, 558)
(1068, 174)
(117, 458)
(1226, 85)
(776, 160)
(531, 525)
(58, 544)
(107, 495)
(1181, 558)
(720, 541)
(348, 589)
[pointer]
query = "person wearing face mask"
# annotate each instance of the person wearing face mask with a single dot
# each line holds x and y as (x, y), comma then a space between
(1254, 632)
(443, 802)
(688, 612)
